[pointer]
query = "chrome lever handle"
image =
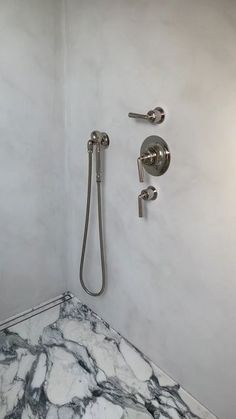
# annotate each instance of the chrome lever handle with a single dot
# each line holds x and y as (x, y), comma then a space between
(149, 194)
(137, 115)
(140, 203)
(149, 159)
(155, 116)
(140, 169)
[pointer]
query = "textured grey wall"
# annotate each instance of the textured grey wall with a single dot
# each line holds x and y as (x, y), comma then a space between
(32, 235)
(171, 287)
(171, 278)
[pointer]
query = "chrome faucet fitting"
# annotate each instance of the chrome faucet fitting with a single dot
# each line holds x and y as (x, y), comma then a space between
(148, 194)
(99, 140)
(154, 157)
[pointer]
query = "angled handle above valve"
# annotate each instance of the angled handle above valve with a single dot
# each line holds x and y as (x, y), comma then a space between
(155, 116)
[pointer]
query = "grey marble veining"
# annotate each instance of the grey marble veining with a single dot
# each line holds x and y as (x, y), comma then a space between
(67, 363)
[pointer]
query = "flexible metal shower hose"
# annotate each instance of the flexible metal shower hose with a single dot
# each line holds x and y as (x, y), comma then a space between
(94, 294)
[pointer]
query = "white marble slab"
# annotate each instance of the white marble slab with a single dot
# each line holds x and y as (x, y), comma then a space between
(67, 363)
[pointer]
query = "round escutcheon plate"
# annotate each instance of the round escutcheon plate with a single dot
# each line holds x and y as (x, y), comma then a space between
(156, 145)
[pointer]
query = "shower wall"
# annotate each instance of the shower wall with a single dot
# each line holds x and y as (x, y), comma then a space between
(32, 237)
(171, 277)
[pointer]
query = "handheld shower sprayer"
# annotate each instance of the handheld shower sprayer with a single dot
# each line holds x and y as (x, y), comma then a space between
(99, 140)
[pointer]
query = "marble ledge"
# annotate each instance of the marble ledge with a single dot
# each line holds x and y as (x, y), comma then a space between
(67, 363)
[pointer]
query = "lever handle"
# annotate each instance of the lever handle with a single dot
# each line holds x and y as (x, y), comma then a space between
(149, 194)
(140, 169)
(148, 159)
(142, 196)
(137, 115)
(155, 116)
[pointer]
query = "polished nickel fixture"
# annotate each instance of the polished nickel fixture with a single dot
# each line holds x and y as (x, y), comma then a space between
(155, 116)
(154, 157)
(99, 141)
(148, 194)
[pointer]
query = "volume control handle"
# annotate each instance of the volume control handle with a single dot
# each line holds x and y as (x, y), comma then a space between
(149, 194)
